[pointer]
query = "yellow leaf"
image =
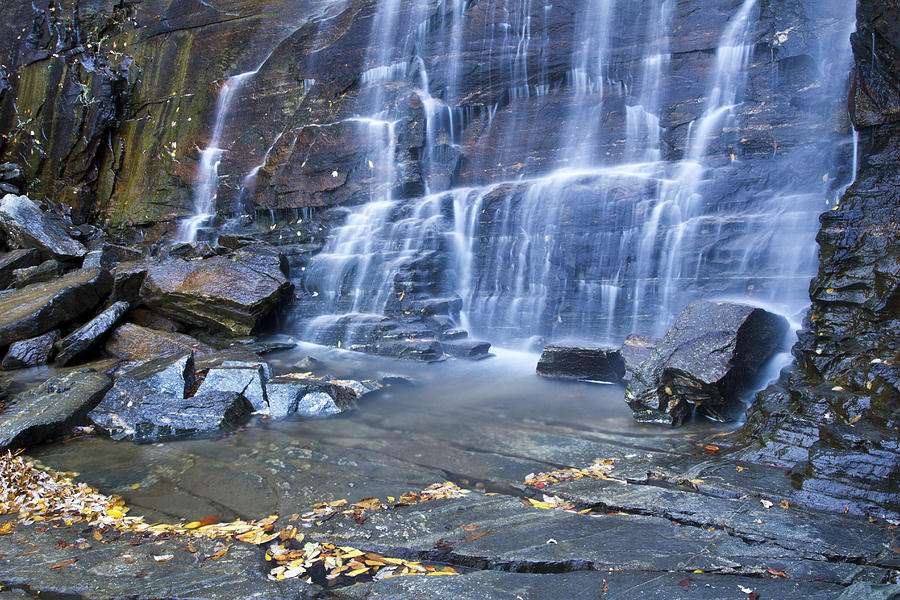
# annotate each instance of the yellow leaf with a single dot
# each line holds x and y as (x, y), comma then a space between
(192, 525)
(356, 572)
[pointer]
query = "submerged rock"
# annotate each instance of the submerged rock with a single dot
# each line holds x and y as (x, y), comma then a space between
(711, 354)
(32, 352)
(310, 397)
(84, 339)
(52, 408)
(575, 362)
(133, 342)
(42, 307)
(217, 292)
(26, 226)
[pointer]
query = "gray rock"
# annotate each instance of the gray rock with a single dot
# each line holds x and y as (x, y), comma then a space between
(574, 362)
(467, 348)
(92, 259)
(147, 318)
(133, 342)
(41, 307)
(12, 173)
(711, 354)
(173, 375)
(635, 350)
(46, 271)
(84, 339)
(249, 381)
(266, 369)
(16, 259)
(133, 410)
(310, 363)
(31, 353)
(312, 397)
(26, 226)
(128, 278)
(51, 408)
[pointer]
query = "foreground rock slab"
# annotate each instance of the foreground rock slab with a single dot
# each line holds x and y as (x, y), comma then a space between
(52, 408)
(710, 355)
(32, 352)
(575, 362)
(41, 307)
(133, 342)
(85, 338)
(218, 292)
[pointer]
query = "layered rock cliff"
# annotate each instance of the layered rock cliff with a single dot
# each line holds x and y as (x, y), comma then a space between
(834, 416)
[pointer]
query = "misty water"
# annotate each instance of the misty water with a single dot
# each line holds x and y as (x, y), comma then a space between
(482, 425)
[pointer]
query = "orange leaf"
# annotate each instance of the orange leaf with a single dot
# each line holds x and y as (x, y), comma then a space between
(775, 573)
(469, 527)
(220, 552)
(472, 538)
(65, 563)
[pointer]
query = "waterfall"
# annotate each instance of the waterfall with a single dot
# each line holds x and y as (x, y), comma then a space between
(573, 185)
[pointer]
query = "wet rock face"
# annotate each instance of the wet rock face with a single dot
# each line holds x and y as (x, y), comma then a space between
(840, 405)
(710, 355)
(31, 353)
(572, 362)
(88, 336)
(133, 342)
(26, 226)
(52, 408)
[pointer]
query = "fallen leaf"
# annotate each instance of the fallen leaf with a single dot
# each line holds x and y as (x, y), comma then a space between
(469, 527)
(784, 504)
(65, 563)
(98, 536)
(163, 557)
(472, 538)
(775, 573)
(686, 583)
(129, 560)
(220, 552)
(766, 504)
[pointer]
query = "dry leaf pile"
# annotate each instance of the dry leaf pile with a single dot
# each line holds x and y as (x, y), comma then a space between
(325, 510)
(599, 470)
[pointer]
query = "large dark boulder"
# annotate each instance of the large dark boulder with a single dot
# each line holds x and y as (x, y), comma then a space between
(26, 226)
(87, 337)
(16, 259)
(41, 307)
(172, 375)
(218, 292)
(575, 362)
(133, 342)
(32, 352)
(635, 350)
(52, 408)
(247, 380)
(711, 355)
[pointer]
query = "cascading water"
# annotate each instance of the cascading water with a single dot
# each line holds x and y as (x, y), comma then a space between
(598, 194)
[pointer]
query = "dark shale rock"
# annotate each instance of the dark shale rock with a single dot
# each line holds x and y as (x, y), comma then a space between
(12, 173)
(110, 255)
(14, 260)
(86, 338)
(311, 364)
(25, 226)
(46, 271)
(248, 381)
(711, 354)
(128, 279)
(218, 292)
(172, 375)
(31, 353)
(151, 320)
(574, 362)
(408, 349)
(133, 342)
(52, 408)
(635, 350)
(41, 307)
(466, 348)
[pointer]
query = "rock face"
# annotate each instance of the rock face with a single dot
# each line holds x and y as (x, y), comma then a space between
(87, 337)
(41, 307)
(26, 226)
(31, 353)
(574, 362)
(710, 355)
(839, 405)
(133, 342)
(218, 292)
(52, 408)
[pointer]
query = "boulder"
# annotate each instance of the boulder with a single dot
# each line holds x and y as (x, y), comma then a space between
(711, 355)
(310, 397)
(172, 375)
(107, 256)
(52, 408)
(128, 277)
(32, 352)
(245, 379)
(467, 348)
(147, 318)
(635, 350)
(133, 410)
(41, 307)
(86, 338)
(12, 173)
(576, 362)
(26, 226)
(133, 342)
(16, 259)
(46, 271)
(217, 292)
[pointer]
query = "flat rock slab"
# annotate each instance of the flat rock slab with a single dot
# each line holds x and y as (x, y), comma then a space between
(218, 292)
(575, 362)
(26, 226)
(710, 355)
(120, 567)
(133, 342)
(312, 398)
(32, 352)
(16, 259)
(41, 307)
(52, 408)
